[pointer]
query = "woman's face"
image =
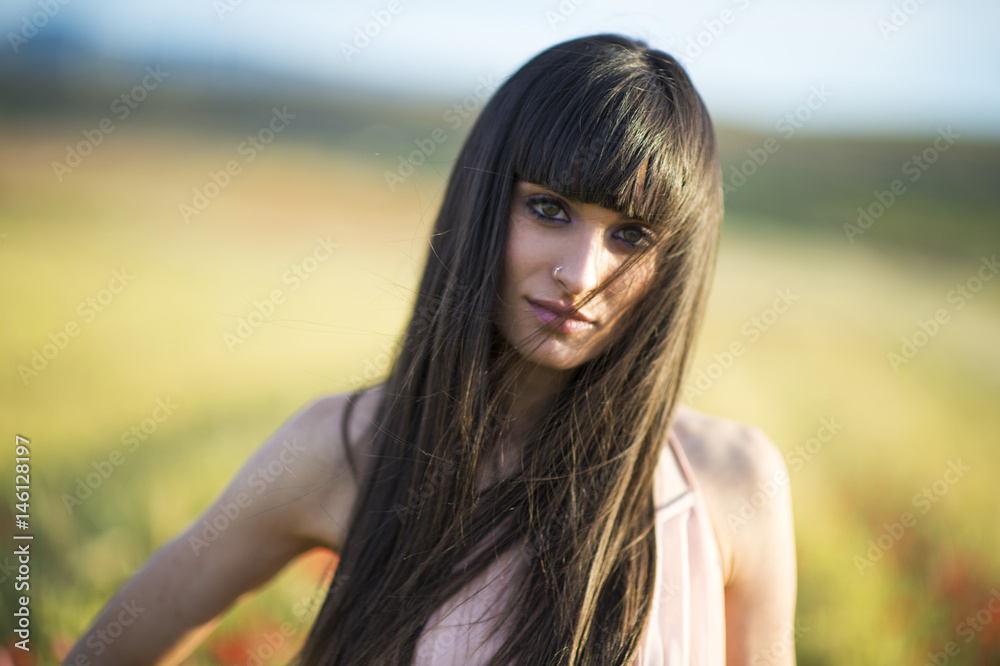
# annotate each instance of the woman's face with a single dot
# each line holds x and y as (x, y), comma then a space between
(588, 242)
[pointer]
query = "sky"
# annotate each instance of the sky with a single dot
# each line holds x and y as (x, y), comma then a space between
(906, 67)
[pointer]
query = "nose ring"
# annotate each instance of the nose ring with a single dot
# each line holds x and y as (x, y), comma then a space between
(555, 273)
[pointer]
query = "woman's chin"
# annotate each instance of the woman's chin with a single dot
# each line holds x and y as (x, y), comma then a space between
(553, 354)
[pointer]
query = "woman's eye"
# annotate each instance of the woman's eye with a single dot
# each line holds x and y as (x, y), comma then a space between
(636, 236)
(548, 209)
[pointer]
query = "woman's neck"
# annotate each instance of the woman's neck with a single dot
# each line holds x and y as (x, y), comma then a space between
(530, 391)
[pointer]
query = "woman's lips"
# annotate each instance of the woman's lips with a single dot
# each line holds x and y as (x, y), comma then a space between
(548, 318)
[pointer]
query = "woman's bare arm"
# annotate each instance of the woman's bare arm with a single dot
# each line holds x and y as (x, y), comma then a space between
(745, 484)
(293, 494)
(761, 590)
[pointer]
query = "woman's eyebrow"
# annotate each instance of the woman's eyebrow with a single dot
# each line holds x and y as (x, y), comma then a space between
(576, 203)
(546, 190)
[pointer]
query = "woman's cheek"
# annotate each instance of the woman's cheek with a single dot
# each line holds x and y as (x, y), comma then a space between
(526, 248)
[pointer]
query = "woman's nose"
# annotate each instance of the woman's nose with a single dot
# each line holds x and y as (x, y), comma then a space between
(583, 260)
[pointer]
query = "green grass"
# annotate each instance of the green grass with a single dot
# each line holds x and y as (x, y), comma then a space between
(163, 337)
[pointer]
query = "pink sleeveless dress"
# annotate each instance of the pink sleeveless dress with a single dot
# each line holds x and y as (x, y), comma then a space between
(687, 622)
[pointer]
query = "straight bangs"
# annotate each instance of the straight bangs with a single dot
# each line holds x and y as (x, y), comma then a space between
(624, 154)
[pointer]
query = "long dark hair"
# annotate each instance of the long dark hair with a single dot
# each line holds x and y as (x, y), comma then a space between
(603, 120)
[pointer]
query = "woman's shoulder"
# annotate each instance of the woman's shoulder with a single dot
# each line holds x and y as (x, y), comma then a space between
(742, 477)
(310, 444)
(723, 451)
(320, 424)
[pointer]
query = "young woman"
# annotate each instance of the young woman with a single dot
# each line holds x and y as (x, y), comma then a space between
(524, 487)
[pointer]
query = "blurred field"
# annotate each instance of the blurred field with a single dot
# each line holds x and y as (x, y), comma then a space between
(163, 337)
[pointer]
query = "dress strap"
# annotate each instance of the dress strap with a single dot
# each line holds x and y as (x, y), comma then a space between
(682, 459)
(667, 508)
